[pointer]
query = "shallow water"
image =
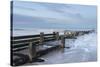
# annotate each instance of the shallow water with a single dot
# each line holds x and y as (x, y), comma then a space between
(83, 49)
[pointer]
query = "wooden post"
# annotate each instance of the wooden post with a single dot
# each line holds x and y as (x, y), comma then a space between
(73, 34)
(41, 37)
(32, 51)
(79, 33)
(56, 35)
(62, 41)
(65, 34)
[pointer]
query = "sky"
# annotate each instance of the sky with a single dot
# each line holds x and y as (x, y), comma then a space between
(53, 15)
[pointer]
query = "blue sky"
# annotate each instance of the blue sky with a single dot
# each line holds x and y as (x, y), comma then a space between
(53, 15)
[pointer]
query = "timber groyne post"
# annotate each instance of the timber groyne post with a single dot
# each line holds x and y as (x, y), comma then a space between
(41, 37)
(32, 51)
(56, 35)
(62, 41)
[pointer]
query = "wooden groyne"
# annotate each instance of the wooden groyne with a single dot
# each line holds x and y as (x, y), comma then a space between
(25, 49)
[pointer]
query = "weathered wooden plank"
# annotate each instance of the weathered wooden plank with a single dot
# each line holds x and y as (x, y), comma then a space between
(24, 37)
(28, 36)
(50, 39)
(25, 41)
(48, 34)
(19, 45)
(20, 48)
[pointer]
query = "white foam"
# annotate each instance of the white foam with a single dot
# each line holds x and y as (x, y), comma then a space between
(87, 42)
(85, 47)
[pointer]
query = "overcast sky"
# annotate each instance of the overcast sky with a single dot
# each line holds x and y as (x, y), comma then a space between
(53, 15)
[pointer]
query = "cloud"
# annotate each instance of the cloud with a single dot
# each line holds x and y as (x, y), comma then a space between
(61, 15)
(47, 10)
(55, 7)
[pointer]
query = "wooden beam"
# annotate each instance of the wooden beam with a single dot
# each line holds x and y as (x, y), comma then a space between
(32, 51)
(62, 41)
(41, 37)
